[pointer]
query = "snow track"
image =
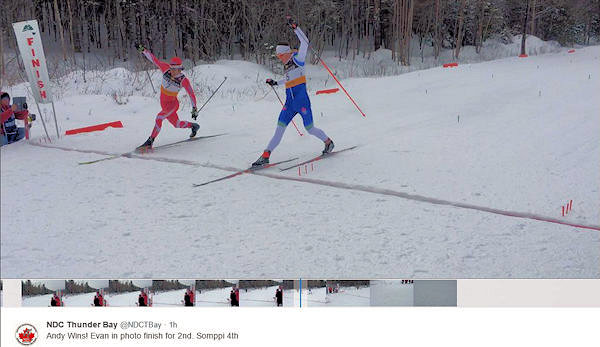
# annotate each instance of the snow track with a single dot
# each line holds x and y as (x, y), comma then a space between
(445, 157)
(342, 185)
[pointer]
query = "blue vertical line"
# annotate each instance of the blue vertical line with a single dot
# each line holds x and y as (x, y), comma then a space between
(301, 292)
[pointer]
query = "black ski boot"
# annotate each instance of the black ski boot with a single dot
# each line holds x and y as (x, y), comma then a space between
(328, 146)
(146, 146)
(195, 128)
(263, 159)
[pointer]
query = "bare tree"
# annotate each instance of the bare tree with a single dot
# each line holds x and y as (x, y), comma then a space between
(460, 29)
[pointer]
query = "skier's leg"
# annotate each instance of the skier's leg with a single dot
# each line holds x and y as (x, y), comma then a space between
(285, 116)
(158, 124)
(307, 119)
(276, 139)
(174, 119)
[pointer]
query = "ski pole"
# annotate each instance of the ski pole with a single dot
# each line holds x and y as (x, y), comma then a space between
(150, 80)
(332, 75)
(281, 102)
(213, 94)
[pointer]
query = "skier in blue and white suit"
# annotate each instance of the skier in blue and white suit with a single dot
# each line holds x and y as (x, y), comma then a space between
(296, 100)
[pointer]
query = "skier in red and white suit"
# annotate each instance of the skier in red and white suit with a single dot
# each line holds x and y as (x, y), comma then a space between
(172, 81)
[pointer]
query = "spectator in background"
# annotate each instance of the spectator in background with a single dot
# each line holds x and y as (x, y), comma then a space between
(9, 132)
(188, 298)
(143, 299)
(98, 299)
(55, 301)
(234, 297)
(279, 296)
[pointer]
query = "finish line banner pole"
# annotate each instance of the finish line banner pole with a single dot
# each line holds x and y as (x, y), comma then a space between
(31, 49)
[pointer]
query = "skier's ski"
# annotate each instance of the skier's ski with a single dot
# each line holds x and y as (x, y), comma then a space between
(248, 170)
(322, 156)
(129, 154)
(188, 140)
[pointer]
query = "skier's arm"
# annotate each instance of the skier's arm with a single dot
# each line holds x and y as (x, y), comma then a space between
(6, 115)
(160, 64)
(21, 114)
(188, 88)
(301, 56)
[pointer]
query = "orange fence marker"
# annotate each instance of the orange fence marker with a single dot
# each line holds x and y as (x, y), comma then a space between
(98, 127)
(328, 91)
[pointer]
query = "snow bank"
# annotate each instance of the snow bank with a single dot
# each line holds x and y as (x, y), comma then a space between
(246, 79)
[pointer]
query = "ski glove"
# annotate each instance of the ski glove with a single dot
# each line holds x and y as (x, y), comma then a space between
(291, 22)
(140, 47)
(194, 113)
(271, 82)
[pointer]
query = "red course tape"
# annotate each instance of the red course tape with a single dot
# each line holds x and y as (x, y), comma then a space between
(99, 127)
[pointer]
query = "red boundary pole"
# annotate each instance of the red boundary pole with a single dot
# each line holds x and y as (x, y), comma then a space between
(341, 86)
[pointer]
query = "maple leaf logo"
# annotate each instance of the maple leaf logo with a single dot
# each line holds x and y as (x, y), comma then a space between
(26, 334)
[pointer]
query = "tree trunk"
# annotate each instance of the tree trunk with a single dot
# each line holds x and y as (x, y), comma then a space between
(60, 29)
(408, 32)
(532, 24)
(524, 30)
(377, 25)
(438, 39)
(479, 37)
(163, 32)
(460, 31)
(71, 28)
(173, 28)
(121, 37)
(394, 21)
(2, 68)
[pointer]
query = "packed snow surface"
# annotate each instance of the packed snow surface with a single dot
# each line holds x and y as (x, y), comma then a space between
(515, 134)
(346, 296)
(391, 293)
(264, 297)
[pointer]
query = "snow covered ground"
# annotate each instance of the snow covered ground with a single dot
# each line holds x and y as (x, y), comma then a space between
(37, 300)
(264, 297)
(215, 297)
(513, 134)
(391, 293)
(208, 298)
(314, 297)
(349, 296)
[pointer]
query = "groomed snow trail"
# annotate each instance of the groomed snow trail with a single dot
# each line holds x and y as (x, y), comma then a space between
(508, 135)
(341, 185)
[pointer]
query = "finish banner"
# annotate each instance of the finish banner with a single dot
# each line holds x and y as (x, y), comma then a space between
(32, 52)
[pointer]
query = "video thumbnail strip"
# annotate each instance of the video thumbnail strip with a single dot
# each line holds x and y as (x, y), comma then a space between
(232, 293)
